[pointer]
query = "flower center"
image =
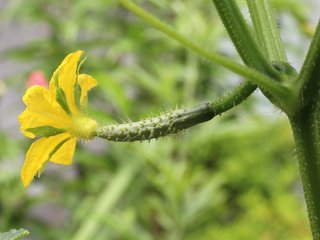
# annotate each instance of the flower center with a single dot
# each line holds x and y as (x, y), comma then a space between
(83, 127)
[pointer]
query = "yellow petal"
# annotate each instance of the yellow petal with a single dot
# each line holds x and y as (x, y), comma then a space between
(42, 110)
(67, 73)
(65, 153)
(52, 87)
(38, 154)
(86, 82)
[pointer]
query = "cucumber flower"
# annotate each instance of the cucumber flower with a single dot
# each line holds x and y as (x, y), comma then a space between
(57, 116)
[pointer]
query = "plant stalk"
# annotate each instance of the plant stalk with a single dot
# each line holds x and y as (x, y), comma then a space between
(251, 54)
(243, 38)
(307, 83)
(253, 75)
(266, 29)
(305, 128)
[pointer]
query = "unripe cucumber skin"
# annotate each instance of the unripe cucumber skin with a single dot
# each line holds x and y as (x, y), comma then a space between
(165, 124)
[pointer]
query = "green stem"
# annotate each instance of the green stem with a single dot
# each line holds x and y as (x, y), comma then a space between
(175, 121)
(242, 38)
(305, 127)
(266, 29)
(308, 84)
(255, 77)
(234, 98)
(251, 54)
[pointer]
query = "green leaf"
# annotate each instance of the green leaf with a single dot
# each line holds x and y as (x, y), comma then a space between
(14, 234)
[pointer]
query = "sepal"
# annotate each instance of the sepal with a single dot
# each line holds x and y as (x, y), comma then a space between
(45, 131)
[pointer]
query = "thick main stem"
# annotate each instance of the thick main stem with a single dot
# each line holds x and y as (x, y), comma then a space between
(305, 127)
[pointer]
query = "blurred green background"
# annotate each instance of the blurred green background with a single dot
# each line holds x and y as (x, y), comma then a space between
(234, 177)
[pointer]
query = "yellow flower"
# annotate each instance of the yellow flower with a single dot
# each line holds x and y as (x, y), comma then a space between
(57, 116)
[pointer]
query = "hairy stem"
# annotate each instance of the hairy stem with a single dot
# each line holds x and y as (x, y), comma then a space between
(305, 127)
(234, 98)
(266, 29)
(254, 76)
(305, 124)
(308, 84)
(251, 54)
(242, 37)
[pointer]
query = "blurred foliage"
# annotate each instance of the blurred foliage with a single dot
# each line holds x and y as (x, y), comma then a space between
(14, 234)
(233, 177)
